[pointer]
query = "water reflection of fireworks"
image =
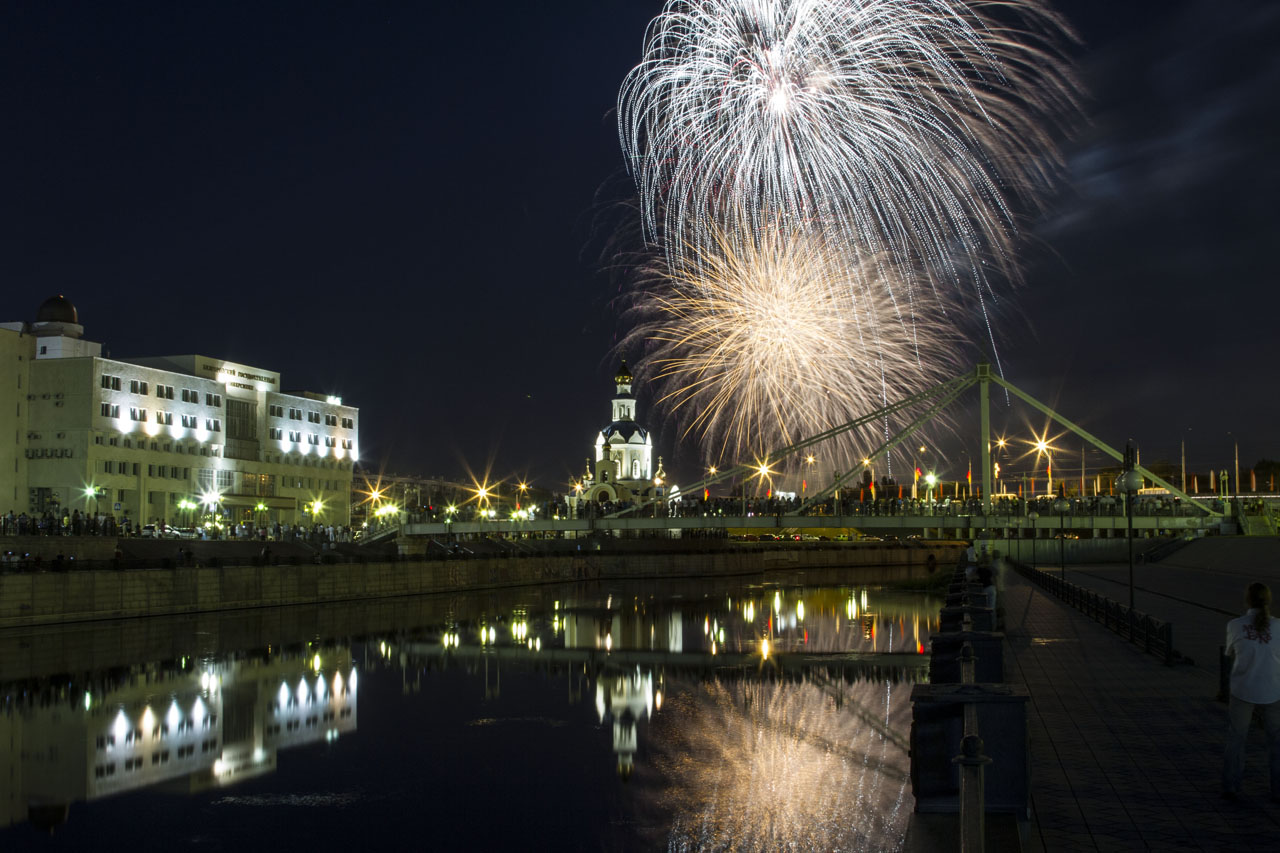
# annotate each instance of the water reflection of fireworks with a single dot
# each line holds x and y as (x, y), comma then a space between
(773, 765)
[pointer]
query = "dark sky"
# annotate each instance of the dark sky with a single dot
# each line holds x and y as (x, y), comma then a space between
(395, 204)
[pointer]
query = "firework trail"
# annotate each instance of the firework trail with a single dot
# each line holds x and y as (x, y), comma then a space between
(902, 128)
(755, 346)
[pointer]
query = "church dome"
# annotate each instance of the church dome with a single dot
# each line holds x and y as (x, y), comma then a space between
(57, 309)
(623, 431)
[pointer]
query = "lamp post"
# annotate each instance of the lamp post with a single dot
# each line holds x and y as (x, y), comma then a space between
(1033, 515)
(1060, 506)
(1129, 482)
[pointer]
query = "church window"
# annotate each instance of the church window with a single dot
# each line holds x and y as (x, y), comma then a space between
(635, 469)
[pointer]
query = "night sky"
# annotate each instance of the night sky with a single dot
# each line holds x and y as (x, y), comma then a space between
(396, 204)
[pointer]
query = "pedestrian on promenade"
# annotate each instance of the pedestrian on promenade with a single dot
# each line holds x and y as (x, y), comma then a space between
(1255, 682)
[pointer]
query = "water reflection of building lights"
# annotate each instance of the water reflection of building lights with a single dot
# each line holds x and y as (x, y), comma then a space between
(764, 648)
(777, 601)
(608, 642)
(352, 678)
(799, 611)
(197, 712)
(315, 662)
(88, 700)
(174, 716)
(282, 698)
(303, 691)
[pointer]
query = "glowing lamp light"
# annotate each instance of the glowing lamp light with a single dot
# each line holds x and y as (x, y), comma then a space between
(931, 478)
(88, 700)
(764, 648)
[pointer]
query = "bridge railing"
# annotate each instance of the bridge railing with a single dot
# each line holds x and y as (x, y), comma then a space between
(1155, 636)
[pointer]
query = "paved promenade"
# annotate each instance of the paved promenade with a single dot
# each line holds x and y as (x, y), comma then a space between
(1126, 752)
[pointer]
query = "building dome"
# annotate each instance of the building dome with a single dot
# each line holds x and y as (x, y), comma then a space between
(623, 430)
(57, 309)
(623, 376)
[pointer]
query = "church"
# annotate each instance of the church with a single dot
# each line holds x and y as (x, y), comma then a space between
(622, 471)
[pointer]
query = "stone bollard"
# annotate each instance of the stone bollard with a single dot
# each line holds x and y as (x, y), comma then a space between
(972, 764)
(945, 651)
(937, 733)
(981, 618)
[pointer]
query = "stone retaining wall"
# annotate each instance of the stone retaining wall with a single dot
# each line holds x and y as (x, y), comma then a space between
(40, 598)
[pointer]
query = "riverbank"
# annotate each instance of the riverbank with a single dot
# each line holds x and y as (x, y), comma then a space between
(55, 597)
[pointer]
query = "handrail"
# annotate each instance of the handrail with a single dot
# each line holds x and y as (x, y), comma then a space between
(1154, 635)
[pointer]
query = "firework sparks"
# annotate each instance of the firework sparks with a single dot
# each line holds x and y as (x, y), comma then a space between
(902, 127)
(776, 765)
(756, 347)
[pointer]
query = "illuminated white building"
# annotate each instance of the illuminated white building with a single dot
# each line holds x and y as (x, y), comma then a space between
(171, 438)
(623, 462)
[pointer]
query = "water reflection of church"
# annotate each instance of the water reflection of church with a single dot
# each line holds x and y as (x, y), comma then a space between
(202, 726)
(625, 696)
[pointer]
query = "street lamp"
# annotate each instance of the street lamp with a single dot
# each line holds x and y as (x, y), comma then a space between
(1129, 482)
(1060, 506)
(1033, 515)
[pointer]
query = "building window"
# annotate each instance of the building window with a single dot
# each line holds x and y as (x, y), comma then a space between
(137, 414)
(330, 441)
(349, 423)
(165, 418)
(165, 392)
(275, 411)
(137, 386)
(347, 443)
(331, 420)
(275, 432)
(295, 414)
(295, 436)
(212, 399)
(213, 425)
(313, 417)
(190, 395)
(312, 438)
(110, 411)
(190, 421)
(111, 382)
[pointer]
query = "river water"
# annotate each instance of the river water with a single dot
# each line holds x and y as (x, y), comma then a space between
(602, 716)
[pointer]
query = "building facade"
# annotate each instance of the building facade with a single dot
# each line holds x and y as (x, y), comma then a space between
(622, 471)
(179, 440)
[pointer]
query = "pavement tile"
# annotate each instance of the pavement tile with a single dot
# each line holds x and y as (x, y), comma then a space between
(1125, 750)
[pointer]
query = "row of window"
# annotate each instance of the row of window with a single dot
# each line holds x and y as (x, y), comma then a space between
(115, 440)
(110, 410)
(276, 411)
(295, 436)
(164, 392)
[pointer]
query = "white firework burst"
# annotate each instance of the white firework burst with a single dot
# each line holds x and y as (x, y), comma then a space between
(901, 128)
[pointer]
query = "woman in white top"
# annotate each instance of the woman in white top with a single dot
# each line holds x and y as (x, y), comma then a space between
(1253, 640)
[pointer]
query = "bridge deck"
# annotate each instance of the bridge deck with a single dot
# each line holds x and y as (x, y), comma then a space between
(1126, 752)
(871, 523)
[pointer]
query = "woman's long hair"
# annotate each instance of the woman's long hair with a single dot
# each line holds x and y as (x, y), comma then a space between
(1258, 597)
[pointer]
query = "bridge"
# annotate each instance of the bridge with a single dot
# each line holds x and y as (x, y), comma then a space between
(831, 509)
